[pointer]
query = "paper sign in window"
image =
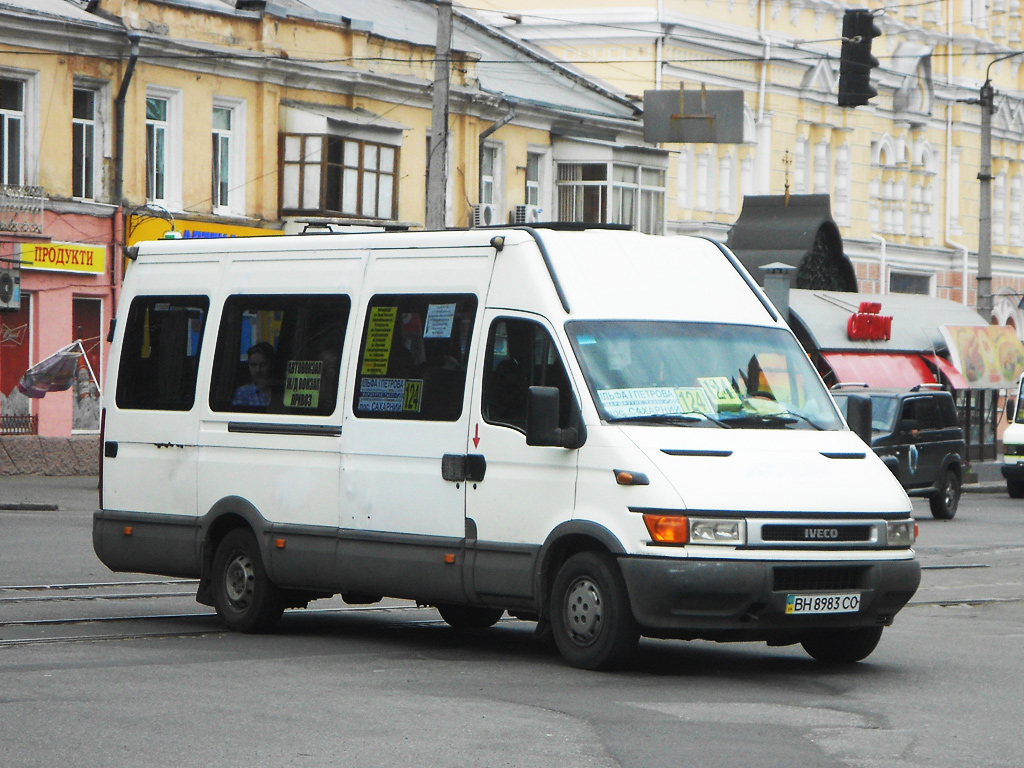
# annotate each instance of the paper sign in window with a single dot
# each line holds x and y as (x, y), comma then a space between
(302, 383)
(440, 319)
(379, 333)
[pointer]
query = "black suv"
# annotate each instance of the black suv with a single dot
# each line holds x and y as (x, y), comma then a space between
(918, 436)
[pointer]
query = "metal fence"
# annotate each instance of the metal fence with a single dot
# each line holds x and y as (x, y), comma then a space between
(19, 425)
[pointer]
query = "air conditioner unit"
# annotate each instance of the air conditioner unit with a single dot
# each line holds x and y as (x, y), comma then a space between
(10, 286)
(485, 215)
(526, 214)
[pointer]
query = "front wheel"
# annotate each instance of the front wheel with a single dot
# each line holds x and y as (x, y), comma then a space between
(945, 502)
(469, 616)
(591, 619)
(842, 646)
(244, 596)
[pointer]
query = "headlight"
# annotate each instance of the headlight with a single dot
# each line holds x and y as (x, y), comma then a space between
(679, 529)
(731, 533)
(900, 533)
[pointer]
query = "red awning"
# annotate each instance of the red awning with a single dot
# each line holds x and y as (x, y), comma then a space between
(955, 377)
(879, 369)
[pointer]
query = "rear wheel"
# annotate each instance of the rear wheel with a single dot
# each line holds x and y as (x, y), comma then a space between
(842, 646)
(244, 596)
(469, 616)
(1015, 488)
(945, 502)
(591, 619)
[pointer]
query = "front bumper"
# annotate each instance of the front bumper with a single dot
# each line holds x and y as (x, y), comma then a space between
(746, 600)
(1013, 471)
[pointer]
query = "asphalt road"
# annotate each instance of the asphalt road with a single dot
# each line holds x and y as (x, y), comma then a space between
(160, 684)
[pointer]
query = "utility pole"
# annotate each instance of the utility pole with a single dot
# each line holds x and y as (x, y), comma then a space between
(985, 100)
(437, 161)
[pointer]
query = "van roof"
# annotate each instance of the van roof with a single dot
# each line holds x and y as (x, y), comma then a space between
(600, 273)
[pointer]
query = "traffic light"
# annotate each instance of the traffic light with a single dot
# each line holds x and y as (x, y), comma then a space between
(855, 59)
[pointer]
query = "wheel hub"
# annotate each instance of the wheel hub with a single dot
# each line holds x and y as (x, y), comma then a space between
(238, 579)
(583, 611)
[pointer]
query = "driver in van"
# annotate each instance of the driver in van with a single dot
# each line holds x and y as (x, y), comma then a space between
(260, 358)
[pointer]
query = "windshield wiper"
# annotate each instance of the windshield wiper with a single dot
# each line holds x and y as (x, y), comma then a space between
(670, 418)
(765, 419)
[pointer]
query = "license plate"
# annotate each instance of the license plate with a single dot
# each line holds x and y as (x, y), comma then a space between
(804, 604)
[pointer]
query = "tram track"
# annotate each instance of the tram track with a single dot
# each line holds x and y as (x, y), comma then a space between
(20, 604)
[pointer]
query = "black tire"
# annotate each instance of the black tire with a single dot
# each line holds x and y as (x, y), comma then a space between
(469, 616)
(842, 646)
(1015, 488)
(591, 618)
(244, 596)
(945, 502)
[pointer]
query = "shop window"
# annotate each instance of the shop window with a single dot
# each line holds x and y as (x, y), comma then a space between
(521, 354)
(279, 354)
(413, 357)
(160, 353)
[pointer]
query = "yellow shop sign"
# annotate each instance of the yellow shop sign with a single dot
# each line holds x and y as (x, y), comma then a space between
(63, 257)
(141, 228)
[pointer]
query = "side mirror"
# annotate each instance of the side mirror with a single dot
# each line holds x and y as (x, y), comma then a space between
(542, 421)
(858, 416)
(1011, 408)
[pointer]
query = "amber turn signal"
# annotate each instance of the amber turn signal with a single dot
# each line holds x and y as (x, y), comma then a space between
(668, 529)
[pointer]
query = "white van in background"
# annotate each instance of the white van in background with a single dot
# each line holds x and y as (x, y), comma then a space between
(1013, 444)
(609, 433)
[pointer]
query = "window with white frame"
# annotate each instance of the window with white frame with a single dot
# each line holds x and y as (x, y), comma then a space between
(613, 193)
(822, 168)
(156, 148)
(684, 178)
(12, 131)
(953, 198)
(163, 147)
(705, 182)
(801, 182)
(910, 282)
(225, 157)
(83, 143)
(726, 185)
(1017, 210)
(842, 182)
(533, 163)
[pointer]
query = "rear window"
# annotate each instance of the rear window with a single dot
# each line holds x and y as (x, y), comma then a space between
(160, 353)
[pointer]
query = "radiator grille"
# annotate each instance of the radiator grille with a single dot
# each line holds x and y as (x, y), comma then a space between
(792, 579)
(816, 533)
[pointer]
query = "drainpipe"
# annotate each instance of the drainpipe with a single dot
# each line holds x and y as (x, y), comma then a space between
(480, 148)
(883, 280)
(659, 50)
(122, 94)
(120, 225)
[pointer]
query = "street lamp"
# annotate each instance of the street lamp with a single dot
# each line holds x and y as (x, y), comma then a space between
(986, 100)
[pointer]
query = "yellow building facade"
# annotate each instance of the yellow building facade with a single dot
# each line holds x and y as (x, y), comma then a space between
(902, 172)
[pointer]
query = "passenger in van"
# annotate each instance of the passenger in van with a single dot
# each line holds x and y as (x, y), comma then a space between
(261, 367)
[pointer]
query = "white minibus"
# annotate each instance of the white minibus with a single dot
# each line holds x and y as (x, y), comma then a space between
(611, 434)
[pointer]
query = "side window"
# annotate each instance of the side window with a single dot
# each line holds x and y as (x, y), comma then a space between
(413, 356)
(279, 354)
(922, 410)
(521, 354)
(160, 353)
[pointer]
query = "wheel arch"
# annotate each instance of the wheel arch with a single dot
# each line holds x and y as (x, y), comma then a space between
(563, 542)
(226, 515)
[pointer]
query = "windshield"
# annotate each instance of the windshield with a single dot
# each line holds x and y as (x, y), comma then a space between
(701, 374)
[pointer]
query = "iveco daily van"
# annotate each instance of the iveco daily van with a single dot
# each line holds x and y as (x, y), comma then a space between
(612, 434)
